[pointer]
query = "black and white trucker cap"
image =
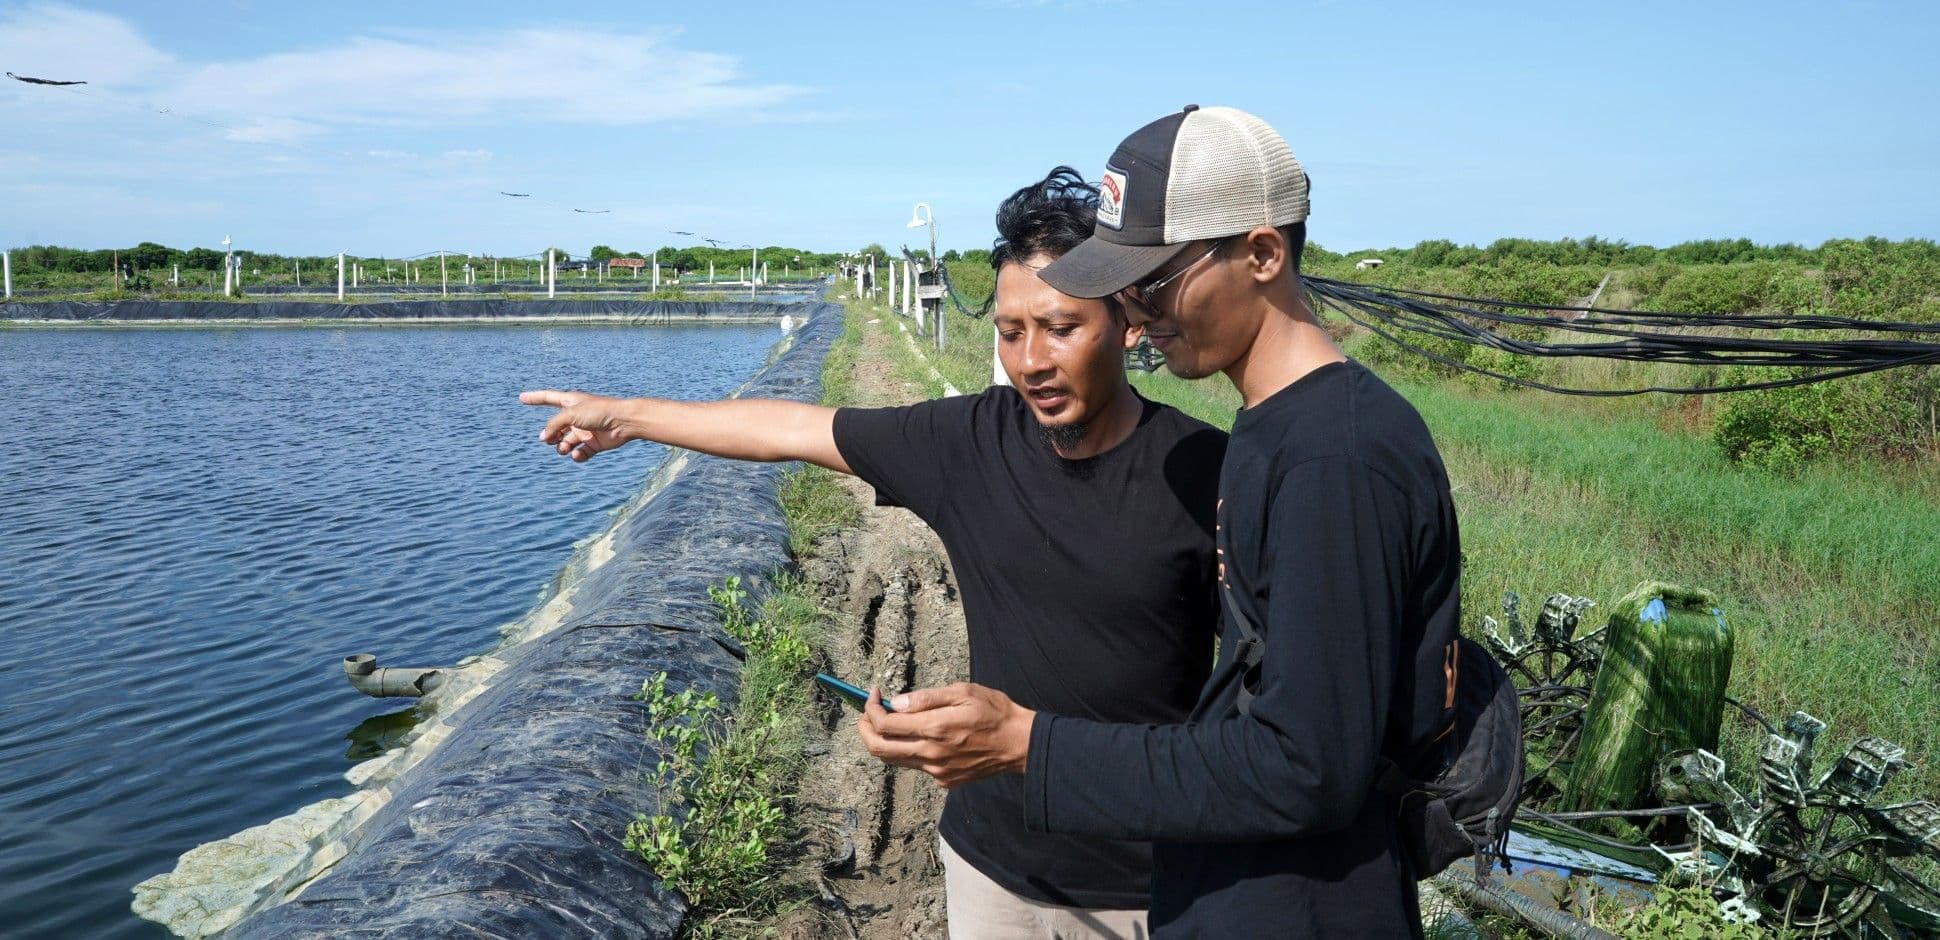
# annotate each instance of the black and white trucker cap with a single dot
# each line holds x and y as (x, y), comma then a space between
(1200, 173)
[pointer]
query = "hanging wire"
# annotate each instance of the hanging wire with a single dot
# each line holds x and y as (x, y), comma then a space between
(1630, 335)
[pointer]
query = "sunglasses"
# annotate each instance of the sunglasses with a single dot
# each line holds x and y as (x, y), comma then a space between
(1146, 295)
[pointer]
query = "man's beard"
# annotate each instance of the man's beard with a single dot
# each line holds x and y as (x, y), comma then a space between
(1062, 437)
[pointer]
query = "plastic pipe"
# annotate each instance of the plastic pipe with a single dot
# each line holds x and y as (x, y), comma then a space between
(367, 677)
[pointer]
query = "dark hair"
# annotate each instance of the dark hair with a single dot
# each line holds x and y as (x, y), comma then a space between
(1050, 216)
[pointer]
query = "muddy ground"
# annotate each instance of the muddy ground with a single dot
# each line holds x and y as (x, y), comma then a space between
(868, 832)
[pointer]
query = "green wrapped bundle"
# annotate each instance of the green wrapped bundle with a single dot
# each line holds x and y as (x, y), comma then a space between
(1666, 660)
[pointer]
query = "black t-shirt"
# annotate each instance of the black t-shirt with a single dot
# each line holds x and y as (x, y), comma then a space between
(1338, 537)
(1087, 588)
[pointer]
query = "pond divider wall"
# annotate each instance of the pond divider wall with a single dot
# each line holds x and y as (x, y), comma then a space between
(299, 311)
(504, 815)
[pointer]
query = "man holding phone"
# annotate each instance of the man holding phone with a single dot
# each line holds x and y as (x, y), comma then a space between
(1078, 517)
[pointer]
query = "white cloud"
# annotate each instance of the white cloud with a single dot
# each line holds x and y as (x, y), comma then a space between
(468, 156)
(550, 75)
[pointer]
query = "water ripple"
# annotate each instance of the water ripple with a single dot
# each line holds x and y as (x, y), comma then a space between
(182, 581)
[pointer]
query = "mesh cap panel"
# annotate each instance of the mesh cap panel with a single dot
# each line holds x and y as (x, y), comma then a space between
(1230, 173)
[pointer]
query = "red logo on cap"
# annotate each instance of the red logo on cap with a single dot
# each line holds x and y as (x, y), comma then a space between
(1111, 199)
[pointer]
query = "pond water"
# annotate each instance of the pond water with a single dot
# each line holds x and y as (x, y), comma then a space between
(196, 526)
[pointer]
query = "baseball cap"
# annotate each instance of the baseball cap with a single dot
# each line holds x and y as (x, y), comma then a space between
(1200, 173)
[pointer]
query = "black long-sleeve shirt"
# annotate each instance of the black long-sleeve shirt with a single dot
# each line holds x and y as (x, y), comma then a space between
(1338, 537)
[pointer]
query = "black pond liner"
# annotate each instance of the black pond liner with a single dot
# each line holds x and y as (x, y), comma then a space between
(636, 311)
(512, 826)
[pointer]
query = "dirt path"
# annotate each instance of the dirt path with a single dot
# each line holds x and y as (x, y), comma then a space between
(871, 830)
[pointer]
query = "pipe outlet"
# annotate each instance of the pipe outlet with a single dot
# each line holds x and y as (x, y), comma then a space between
(388, 682)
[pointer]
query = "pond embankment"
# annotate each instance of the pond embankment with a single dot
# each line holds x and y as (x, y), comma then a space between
(504, 809)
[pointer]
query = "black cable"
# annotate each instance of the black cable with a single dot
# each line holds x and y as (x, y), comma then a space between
(1386, 312)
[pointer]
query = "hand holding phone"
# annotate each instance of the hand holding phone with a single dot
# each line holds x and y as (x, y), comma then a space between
(849, 693)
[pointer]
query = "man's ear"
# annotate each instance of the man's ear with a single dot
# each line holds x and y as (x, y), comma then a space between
(1266, 252)
(1133, 334)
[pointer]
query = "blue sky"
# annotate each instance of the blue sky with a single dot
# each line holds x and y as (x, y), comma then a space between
(390, 128)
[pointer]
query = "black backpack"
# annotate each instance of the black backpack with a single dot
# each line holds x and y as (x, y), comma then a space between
(1454, 796)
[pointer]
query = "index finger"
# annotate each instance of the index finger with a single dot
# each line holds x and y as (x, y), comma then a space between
(553, 397)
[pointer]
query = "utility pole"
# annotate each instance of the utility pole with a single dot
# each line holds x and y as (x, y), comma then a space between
(340, 277)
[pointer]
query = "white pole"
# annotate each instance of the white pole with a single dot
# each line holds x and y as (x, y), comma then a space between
(340, 276)
(751, 263)
(909, 287)
(299, 272)
(764, 272)
(6, 264)
(228, 265)
(892, 285)
(656, 269)
(710, 272)
(552, 280)
(444, 280)
(176, 278)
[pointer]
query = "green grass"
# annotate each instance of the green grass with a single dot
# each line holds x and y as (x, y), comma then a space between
(1828, 578)
(838, 367)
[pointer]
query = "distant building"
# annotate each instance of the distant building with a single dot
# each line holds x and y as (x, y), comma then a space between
(1367, 264)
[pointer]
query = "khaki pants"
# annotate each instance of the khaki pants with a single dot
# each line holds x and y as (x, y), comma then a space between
(981, 909)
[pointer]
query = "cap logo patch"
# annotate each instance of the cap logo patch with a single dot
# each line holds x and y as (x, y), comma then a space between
(1111, 199)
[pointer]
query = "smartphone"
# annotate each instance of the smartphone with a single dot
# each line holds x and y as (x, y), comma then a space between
(851, 694)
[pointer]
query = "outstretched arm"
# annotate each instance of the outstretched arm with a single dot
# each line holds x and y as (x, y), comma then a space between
(742, 429)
